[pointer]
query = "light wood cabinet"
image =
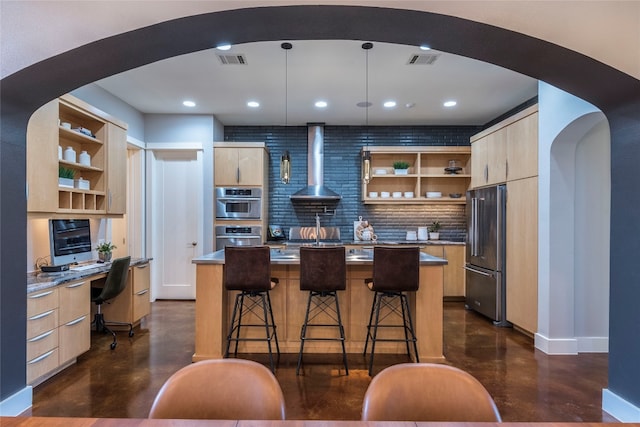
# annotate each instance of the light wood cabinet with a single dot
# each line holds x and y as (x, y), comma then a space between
(522, 253)
(42, 333)
(141, 277)
(133, 303)
(426, 174)
(66, 123)
(522, 153)
(238, 166)
(74, 327)
(506, 151)
(453, 273)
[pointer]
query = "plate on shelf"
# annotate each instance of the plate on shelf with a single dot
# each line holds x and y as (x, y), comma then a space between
(433, 194)
(453, 170)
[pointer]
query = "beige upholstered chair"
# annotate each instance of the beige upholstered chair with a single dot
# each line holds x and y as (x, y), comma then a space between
(221, 389)
(427, 392)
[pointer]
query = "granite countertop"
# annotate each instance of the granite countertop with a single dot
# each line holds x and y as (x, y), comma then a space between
(371, 243)
(39, 281)
(292, 256)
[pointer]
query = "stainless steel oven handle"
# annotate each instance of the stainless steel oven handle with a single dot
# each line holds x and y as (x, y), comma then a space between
(239, 236)
(473, 270)
(239, 199)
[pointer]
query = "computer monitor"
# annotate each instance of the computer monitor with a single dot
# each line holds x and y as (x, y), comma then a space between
(70, 241)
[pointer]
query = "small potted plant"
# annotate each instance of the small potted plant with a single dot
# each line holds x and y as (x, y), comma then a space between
(105, 251)
(400, 168)
(65, 177)
(434, 230)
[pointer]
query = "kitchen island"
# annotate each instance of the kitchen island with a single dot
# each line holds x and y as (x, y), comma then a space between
(214, 305)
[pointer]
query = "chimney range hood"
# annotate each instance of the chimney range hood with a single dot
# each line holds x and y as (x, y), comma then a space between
(315, 189)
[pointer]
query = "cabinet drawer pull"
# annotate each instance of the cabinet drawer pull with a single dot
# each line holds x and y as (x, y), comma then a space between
(41, 336)
(44, 294)
(75, 322)
(142, 266)
(41, 315)
(44, 356)
(75, 285)
(142, 292)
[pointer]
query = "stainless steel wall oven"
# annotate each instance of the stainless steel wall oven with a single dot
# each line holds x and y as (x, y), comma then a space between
(238, 203)
(238, 235)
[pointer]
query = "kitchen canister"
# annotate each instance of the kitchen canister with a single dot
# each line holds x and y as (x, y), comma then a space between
(85, 159)
(70, 155)
(423, 233)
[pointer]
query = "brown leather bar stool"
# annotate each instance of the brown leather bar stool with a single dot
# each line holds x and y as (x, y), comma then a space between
(396, 270)
(323, 272)
(248, 269)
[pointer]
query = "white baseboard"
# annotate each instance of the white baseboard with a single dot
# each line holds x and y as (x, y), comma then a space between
(17, 403)
(556, 346)
(619, 408)
(571, 345)
(593, 345)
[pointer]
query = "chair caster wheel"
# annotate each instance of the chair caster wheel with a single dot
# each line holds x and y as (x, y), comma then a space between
(113, 345)
(130, 333)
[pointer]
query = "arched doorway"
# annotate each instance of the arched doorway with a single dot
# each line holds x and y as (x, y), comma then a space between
(31, 87)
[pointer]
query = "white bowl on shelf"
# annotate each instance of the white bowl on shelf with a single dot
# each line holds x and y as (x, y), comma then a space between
(434, 194)
(373, 194)
(397, 194)
(385, 194)
(408, 194)
(380, 172)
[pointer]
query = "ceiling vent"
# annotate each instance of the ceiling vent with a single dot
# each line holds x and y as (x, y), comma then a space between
(423, 59)
(232, 59)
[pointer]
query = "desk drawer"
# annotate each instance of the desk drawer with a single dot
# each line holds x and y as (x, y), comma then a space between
(40, 323)
(141, 277)
(141, 305)
(40, 344)
(41, 365)
(75, 338)
(39, 302)
(75, 300)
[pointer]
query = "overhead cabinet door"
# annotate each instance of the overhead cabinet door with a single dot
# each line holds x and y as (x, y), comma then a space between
(238, 166)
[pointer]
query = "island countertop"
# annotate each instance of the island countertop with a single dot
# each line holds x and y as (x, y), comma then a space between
(291, 256)
(214, 305)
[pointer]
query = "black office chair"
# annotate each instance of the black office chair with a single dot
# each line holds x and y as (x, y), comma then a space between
(114, 284)
(396, 270)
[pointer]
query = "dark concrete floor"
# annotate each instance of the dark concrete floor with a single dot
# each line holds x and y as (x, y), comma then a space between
(526, 384)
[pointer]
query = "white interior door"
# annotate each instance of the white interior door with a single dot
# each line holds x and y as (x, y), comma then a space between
(176, 217)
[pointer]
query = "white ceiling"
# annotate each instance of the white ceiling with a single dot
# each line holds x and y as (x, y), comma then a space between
(334, 71)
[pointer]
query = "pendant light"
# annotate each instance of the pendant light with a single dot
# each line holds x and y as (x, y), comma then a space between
(366, 155)
(285, 160)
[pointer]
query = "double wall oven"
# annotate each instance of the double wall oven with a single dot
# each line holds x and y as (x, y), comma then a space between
(238, 216)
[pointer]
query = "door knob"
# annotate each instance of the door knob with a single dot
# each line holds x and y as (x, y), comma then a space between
(194, 243)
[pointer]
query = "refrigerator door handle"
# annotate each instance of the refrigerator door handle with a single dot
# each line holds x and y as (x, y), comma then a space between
(473, 270)
(474, 227)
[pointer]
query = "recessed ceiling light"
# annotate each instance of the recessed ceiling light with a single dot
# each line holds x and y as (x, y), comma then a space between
(425, 47)
(223, 47)
(410, 105)
(188, 103)
(389, 104)
(253, 104)
(450, 104)
(321, 104)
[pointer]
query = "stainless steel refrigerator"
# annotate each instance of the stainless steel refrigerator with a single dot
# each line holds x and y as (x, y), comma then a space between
(485, 263)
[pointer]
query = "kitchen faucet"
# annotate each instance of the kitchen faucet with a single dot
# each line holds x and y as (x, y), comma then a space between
(317, 230)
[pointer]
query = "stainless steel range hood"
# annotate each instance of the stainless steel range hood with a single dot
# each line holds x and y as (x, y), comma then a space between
(315, 189)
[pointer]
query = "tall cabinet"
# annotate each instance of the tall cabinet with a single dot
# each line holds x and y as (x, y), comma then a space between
(242, 165)
(508, 153)
(68, 125)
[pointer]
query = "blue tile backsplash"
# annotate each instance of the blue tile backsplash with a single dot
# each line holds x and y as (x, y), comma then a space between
(342, 146)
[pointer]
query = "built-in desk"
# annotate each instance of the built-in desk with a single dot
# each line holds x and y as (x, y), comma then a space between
(213, 308)
(59, 314)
